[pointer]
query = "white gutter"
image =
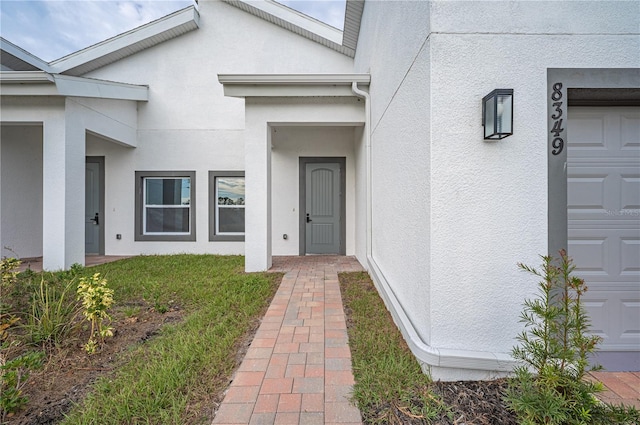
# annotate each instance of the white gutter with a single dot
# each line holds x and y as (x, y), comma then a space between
(485, 364)
(40, 83)
(293, 79)
(25, 77)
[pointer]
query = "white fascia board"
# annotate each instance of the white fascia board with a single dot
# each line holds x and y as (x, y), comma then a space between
(25, 77)
(115, 44)
(87, 87)
(23, 55)
(38, 83)
(294, 17)
(290, 85)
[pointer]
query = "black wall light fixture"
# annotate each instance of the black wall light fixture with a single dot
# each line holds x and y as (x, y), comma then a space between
(497, 114)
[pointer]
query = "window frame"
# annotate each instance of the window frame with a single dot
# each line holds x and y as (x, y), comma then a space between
(213, 207)
(140, 235)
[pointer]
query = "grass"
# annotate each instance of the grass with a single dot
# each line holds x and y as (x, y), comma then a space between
(389, 382)
(168, 379)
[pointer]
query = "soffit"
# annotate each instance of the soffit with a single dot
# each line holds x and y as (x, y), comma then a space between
(17, 59)
(344, 42)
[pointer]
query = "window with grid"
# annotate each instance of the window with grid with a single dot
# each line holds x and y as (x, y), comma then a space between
(227, 205)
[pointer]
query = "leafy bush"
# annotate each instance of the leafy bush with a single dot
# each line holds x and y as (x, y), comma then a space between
(549, 388)
(96, 299)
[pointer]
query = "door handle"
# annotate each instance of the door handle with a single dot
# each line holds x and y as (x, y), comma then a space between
(308, 219)
(96, 219)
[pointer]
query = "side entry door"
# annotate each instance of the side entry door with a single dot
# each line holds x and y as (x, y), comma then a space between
(93, 212)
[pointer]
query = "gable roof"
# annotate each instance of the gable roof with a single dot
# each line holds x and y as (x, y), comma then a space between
(16, 59)
(344, 41)
(13, 58)
(128, 43)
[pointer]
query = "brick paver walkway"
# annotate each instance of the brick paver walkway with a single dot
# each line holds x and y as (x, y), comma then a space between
(298, 367)
(619, 387)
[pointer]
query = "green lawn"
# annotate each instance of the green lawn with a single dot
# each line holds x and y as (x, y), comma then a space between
(166, 380)
(390, 386)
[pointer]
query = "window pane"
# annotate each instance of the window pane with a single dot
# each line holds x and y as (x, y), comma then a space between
(168, 191)
(167, 220)
(231, 220)
(230, 190)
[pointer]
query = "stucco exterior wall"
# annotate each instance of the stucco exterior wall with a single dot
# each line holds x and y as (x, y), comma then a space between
(467, 211)
(188, 123)
(21, 172)
(400, 144)
(480, 238)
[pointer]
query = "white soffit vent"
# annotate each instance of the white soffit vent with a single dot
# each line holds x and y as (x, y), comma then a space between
(128, 43)
(296, 22)
(352, 18)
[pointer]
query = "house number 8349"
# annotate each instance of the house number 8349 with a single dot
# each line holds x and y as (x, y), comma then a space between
(558, 142)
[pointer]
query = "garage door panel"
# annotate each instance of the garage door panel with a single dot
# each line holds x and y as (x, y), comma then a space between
(591, 255)
(614, 317)
(587, 191)
(604, 191)
(630, 312)
(605, 254)
(630, 129)
(630, 193)
(587, 132)
(629, 254)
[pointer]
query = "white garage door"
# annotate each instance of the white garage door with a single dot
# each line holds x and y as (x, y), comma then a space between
(603, 171)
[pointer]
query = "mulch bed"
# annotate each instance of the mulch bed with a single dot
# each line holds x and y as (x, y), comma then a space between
(475, 402)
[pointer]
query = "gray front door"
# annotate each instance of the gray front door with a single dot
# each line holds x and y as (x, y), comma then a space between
(323, 209)
(93, 222)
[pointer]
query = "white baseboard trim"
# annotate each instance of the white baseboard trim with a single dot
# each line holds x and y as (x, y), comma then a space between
(440, 363)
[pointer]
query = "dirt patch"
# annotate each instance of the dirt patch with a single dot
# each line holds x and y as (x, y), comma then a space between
(69, 371)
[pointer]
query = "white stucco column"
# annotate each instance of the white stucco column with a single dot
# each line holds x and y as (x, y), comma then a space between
(258, 194)
(63, 190)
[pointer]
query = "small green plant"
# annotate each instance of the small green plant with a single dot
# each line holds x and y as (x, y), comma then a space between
(8, 275)
(96, 299)
(549, 388)
(53, 313)
(13, 376)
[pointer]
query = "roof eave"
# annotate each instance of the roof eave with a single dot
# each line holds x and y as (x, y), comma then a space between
(19, 59)
(295, 22)
(290, 85)
(38, 83)
(25, 77)
(128, 43)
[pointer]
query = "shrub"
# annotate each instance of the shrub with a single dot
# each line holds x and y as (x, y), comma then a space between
(549, 387)
(96, 300)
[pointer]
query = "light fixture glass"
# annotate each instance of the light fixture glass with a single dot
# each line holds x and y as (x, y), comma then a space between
(497, 114)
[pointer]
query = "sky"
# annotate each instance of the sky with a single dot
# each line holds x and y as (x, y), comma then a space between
(51, 29)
